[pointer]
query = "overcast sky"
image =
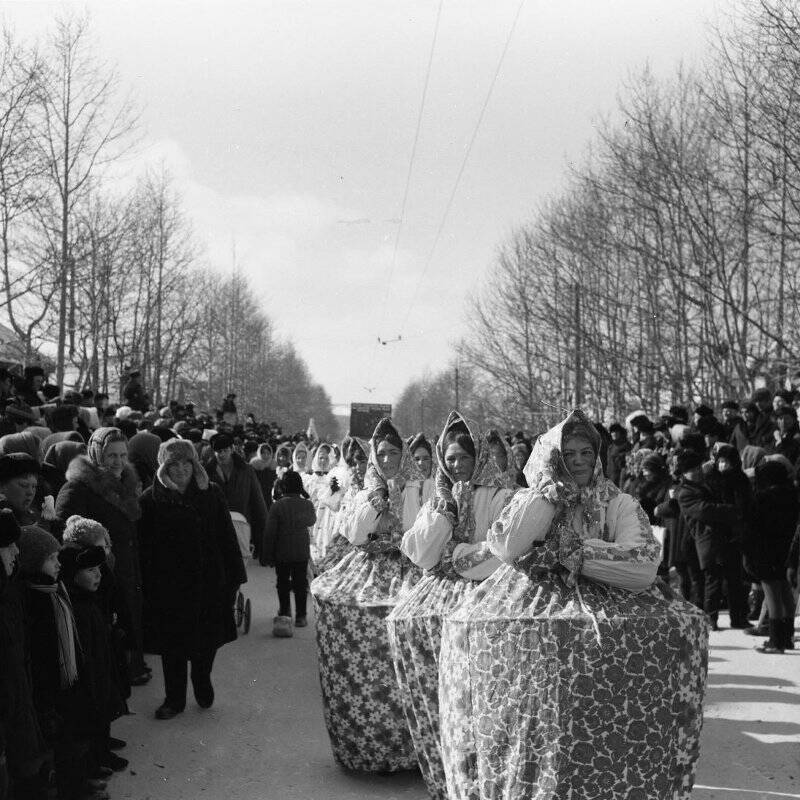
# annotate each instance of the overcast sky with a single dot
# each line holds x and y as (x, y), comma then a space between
(288, 127)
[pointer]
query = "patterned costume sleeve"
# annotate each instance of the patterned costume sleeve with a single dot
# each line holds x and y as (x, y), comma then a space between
(424, 542)
(524, 522)
(629, 560)
(363, 522)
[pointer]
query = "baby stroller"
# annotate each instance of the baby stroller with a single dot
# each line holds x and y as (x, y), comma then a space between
(242, 609)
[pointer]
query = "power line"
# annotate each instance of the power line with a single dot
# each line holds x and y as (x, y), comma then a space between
(410, 170)
(449, 205)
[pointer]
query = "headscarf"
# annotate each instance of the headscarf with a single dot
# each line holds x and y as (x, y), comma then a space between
(60, 436)
(484, 473)
(751, 456)
(315, 465)
(547, 473)
(99, 440)
(24, 442)
(60, 454)
(301, 447)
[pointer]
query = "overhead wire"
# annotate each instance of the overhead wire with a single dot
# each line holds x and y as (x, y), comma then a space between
(411, 161)
(457, 182)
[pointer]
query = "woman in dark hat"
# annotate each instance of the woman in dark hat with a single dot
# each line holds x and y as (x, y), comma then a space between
(192, 568)
(104, 487)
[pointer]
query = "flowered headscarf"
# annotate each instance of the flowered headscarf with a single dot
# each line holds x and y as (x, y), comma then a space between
(484, 473)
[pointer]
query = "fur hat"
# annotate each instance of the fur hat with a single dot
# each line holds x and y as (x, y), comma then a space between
(710, 426)
(680, 413)
(9, 527)
(179, 450)
(75, 557)
(221, 441)
(35, 545)
(655, 463)
(687, 460)
(123, 412)
(16, 465)
(83, 531)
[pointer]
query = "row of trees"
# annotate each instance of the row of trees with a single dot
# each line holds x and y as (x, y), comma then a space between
(667, 269)
(103, 278)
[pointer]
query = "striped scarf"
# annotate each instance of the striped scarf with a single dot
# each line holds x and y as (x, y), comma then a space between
(65, 629)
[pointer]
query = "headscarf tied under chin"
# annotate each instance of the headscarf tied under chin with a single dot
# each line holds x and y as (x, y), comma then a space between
(547, 474)
(101, 439)
(484, 473)
(351, 445)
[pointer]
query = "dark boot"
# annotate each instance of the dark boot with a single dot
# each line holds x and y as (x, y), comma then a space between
(773, 645)
(788, 633)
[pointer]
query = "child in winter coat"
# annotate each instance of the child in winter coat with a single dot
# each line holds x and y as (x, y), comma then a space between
(59, 695)
(81, 574)
(287, 546)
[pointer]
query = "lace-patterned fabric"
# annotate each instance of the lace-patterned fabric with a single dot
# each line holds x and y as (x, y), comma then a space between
(415, 623)
(555, 686)
(362, 703)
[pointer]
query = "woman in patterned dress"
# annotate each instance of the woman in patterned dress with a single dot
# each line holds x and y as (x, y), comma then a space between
(362, 703)
(317, 484)
(448, 539)
(422, 452)
(569, 672)
(350, 480)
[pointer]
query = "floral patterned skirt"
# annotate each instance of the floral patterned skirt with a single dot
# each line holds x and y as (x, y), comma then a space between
(338, 548)
(363, 706)
(415, 628)
(550, 692)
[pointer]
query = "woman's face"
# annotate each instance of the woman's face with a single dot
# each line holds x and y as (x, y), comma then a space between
(389, 458)
(723, 465)
(20, 492)
(786, 424)
(521, 458)
(579, 457)
(459, 462)
(8, 557)
(88, 579)
(499, 456)
(360, 461)
(422, 458)
(283, 458)
(115, 457)
(324, 460)
(648, 474)
(52, 566)
(300, 457)
(180, 473)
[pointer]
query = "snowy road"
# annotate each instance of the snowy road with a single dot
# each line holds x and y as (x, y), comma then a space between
(265, 738)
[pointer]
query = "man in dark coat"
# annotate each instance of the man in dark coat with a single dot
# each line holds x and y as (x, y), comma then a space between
(706, 521)
(786, 440)
(192, 568)
(761, 434)
(134, 394)
(734, 424)
(240, 486)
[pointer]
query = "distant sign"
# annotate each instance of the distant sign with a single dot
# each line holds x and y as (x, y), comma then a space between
(365, 416)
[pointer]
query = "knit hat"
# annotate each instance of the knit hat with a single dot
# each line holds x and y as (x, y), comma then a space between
(221, 441)
(9, 527)
(16, 465)
(100, 439)
(686, 460)
(179, 450)
(83, 531)
(35, 545)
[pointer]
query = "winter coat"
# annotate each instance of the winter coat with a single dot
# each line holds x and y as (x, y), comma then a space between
(93, 492)
(762, 432)
(679, 547)
(287, 537)
(243, 494)
(617, 453)
(707, 520)
(266, 479)
(98, 665)
(651, 494)
(191, 568)
(768, 539)
(20, 735)
(788, 446)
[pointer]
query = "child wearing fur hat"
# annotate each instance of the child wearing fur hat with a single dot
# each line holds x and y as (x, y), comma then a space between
(22, 748)
(81, 575)
(54, 650)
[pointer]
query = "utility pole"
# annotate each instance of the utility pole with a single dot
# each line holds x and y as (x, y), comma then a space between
(578, 354)
(422, 413)
(458, 404)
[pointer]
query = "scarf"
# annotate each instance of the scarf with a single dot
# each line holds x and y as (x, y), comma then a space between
(65, 630)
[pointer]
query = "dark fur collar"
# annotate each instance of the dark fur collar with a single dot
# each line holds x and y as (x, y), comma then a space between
(123, 493)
